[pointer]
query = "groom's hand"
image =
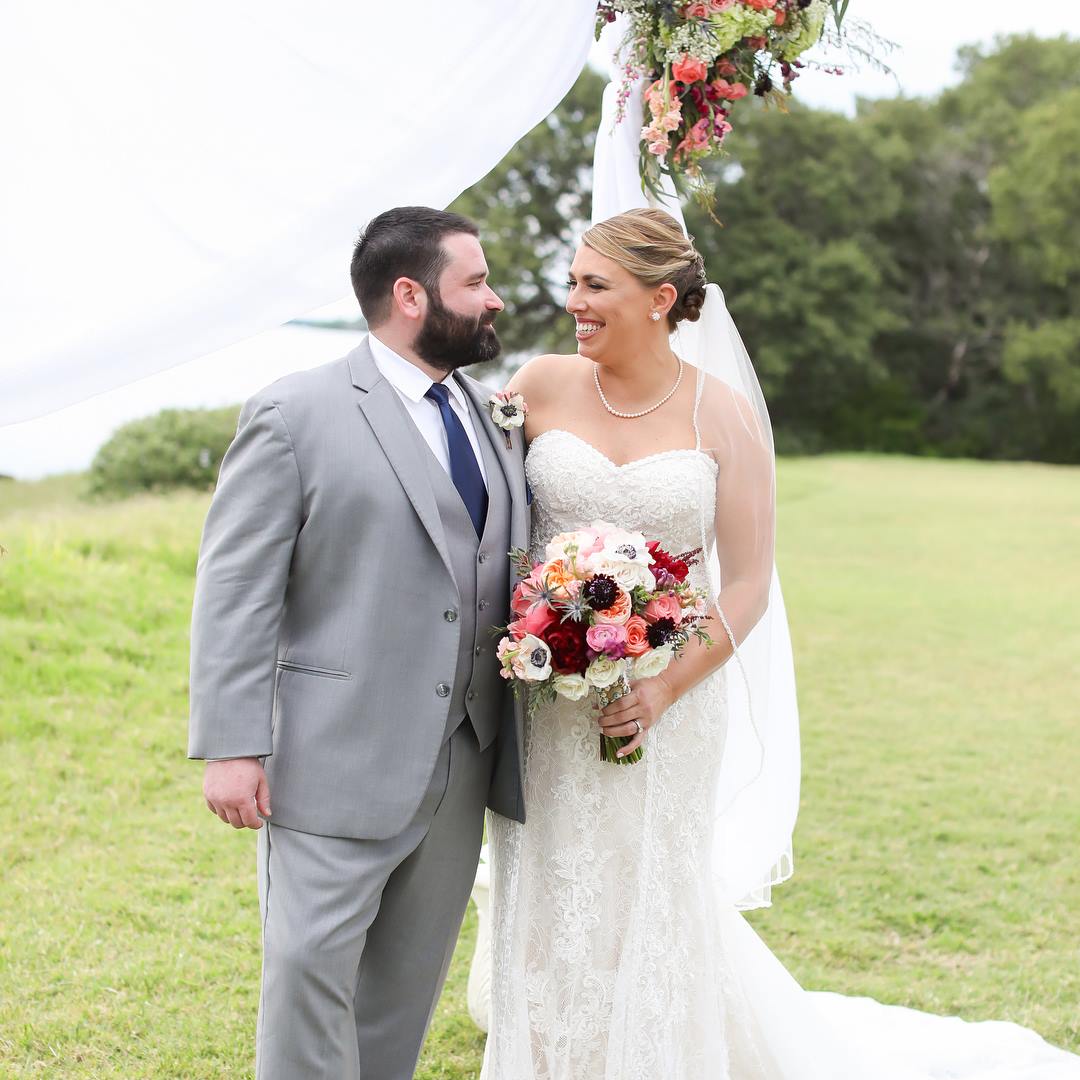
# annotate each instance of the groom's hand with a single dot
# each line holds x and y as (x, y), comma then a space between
(235, 790)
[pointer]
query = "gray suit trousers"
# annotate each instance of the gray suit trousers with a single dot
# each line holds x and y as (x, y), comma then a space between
(358, 934)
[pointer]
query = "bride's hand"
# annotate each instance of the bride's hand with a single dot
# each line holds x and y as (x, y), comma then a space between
(644, 705)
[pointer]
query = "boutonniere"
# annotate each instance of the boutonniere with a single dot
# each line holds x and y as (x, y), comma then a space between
(508, 411)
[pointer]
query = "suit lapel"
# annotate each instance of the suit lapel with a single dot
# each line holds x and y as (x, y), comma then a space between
(509, 457)
(400, 442)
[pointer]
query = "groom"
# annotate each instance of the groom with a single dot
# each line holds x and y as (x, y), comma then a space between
(343, 669)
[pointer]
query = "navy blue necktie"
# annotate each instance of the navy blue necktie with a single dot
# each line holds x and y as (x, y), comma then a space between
(464, 470)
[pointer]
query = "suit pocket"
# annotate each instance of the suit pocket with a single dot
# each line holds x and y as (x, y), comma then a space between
(308, 669)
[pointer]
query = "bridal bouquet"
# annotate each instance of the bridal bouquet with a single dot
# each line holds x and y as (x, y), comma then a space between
(604, 607)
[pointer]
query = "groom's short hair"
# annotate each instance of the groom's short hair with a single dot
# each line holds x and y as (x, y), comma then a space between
(403, 242)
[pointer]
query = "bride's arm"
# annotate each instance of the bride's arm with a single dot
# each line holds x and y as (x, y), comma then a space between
(744, 524)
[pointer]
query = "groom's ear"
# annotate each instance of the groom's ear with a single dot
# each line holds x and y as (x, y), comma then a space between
(408, 297)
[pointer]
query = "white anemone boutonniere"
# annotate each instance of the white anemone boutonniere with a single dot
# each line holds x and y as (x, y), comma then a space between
(508, 411)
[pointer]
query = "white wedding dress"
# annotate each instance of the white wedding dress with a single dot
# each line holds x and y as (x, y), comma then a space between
(613, 958)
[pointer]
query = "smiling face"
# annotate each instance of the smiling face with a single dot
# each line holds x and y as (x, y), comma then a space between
(610, 306)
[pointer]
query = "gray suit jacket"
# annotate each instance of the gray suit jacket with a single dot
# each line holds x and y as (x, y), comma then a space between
(324, 555)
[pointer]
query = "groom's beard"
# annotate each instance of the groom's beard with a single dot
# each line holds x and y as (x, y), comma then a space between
(448, 340)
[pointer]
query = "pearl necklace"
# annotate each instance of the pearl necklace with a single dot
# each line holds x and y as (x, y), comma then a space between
(635, 415)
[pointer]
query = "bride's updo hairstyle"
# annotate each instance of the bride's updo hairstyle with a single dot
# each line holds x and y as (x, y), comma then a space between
(651, 245)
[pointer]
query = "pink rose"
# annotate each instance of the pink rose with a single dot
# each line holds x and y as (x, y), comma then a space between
(697, 11)
(726, 67)
(537, 621)
(664, 607)
(689, 69)
(608, 638)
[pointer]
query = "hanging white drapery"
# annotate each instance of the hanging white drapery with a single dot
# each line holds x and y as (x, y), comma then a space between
(180, 177)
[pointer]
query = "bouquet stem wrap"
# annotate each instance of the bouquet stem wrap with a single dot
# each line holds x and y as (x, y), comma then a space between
(611, 745)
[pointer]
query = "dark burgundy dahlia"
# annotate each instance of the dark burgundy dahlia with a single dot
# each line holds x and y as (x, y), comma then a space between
(601, 591)
(661, 632)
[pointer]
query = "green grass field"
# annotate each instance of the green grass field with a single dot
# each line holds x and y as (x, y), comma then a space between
(934, 607)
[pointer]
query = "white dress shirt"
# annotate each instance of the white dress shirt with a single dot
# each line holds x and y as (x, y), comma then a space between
(411, 385)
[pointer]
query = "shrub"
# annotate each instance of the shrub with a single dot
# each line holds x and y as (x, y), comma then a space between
(175, 448)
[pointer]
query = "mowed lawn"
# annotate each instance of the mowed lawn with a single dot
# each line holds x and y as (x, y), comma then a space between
(934, 612)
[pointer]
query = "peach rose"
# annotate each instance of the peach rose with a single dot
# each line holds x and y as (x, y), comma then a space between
(637, 640)
(730, 91)
(689, 69)
(619, 612)
(664, 607)
(557, 575)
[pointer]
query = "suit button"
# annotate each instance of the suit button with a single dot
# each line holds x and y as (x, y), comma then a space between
(482, 605)
(443, 689)
(449, 614)
(479, 649)
(471, 695)
(483, 556)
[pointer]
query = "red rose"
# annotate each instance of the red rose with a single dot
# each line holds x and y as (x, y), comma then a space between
(569, 651)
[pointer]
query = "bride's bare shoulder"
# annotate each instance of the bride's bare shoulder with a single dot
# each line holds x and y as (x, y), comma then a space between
(544, 376)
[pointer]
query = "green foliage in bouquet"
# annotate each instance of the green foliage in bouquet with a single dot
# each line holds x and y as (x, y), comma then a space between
(176, 448)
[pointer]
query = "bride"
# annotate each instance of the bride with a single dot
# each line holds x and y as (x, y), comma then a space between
(619, 952)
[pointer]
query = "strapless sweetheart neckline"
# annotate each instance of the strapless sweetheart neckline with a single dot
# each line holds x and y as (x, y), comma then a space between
(626, 464)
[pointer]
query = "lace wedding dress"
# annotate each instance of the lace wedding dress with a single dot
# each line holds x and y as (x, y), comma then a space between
(613, 958)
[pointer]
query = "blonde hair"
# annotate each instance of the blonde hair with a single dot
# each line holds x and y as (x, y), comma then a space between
(651, 245)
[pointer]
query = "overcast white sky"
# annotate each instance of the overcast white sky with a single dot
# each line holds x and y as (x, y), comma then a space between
(927, 33)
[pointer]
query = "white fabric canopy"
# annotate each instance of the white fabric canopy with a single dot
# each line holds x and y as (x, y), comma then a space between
(179, 177)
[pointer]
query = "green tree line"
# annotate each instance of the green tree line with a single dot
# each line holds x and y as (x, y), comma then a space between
(906, 279)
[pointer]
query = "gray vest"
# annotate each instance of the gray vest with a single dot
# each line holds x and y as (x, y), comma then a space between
(480, 568)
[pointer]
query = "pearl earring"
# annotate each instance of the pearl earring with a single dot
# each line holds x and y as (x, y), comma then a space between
(654, 315)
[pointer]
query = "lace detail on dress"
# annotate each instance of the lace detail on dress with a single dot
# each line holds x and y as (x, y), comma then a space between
(608, 963)
(614, 958)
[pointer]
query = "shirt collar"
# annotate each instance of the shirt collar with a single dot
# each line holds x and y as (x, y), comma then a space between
(406, 377)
